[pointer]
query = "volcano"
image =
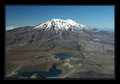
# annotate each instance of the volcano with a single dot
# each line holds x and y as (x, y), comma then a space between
(34, 47)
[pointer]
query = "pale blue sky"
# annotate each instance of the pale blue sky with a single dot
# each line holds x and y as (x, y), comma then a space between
(95, 16)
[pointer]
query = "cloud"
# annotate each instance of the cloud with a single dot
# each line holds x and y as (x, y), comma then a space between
(12, 27)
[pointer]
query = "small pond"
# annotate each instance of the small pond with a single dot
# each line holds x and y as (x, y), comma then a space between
(62, 55)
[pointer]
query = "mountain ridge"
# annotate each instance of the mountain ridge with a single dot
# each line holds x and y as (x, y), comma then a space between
(50, 36)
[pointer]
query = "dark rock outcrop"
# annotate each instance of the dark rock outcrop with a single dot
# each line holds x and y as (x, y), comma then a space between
(52, 67)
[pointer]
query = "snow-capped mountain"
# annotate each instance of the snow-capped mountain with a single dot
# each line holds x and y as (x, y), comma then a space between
(49, 32)
(59, 24)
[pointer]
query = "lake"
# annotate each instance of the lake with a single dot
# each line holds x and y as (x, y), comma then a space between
(42, 74)
(62, 55)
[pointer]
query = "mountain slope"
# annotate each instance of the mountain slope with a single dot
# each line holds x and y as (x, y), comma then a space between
(34, 47)
(49, 30)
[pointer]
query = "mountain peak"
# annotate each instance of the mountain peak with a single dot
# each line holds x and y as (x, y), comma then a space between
(60, 24)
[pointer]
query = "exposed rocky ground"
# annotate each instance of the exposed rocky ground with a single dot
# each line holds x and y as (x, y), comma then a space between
(30, 49)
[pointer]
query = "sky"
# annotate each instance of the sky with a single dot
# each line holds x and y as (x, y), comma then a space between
(98, 16)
